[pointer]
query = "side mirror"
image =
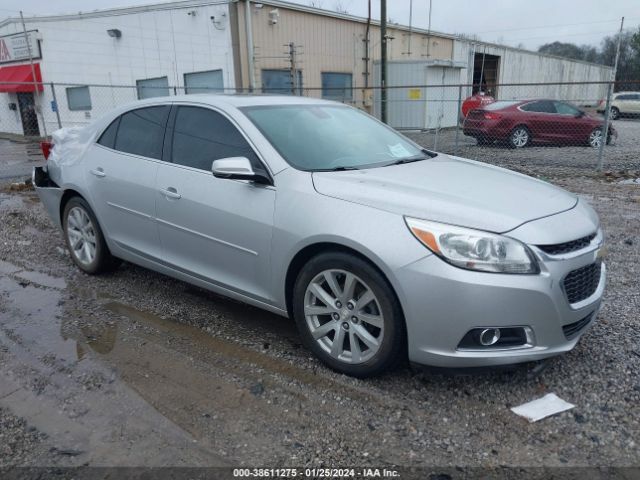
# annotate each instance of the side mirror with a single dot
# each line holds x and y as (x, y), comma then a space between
(237, 168)
(580, 114)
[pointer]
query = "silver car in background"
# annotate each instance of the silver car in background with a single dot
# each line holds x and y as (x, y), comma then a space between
(380, 250)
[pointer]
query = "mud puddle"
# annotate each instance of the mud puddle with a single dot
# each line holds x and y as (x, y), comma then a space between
(112, 373)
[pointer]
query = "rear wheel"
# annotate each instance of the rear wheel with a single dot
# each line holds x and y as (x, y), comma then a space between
(348, 316)
(615, 113)
(84, 238)
(519, 137)
(482, 140)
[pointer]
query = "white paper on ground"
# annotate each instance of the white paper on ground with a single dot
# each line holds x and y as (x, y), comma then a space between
(543, 407)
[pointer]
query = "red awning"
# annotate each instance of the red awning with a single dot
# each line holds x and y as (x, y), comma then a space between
(20, 74)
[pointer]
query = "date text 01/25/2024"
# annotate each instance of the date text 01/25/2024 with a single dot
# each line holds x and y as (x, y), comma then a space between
(365, 473)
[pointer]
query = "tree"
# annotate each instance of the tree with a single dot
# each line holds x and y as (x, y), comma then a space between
(629, 61)
(635, 41)
(563, 49)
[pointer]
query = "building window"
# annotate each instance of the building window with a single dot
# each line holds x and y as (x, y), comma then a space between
(203, 82)
(279, 81)
(337, 86)
(78, 98)
(152, 87)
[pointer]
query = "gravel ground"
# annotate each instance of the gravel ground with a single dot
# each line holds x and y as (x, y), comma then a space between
(108, 360)
(20, 444)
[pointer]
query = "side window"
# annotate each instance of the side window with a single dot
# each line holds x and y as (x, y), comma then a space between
(202, 136)
(566, 109)
(108, 137)
(141, 131)
(542, 106)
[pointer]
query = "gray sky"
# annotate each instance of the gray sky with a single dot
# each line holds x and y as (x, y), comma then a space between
(530, 23)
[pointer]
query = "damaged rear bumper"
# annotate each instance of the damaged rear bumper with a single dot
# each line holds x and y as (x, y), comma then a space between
(50, 194)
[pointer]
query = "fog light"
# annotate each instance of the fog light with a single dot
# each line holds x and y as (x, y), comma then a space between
(489, 336)
(486, 338)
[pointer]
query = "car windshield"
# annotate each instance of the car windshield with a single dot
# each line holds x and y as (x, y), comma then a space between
(331, 137)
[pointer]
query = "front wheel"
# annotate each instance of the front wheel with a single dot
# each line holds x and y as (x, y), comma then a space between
(520, 137)
(348, 315)
(84, 238)
(595, 138)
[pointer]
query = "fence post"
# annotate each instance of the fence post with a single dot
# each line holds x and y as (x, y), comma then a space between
(55, 101)
(458, 113)
(605, 128)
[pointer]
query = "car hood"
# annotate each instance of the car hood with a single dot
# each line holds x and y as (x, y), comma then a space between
(450, 190)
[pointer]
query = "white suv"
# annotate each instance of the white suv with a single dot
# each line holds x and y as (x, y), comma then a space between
(622, 103)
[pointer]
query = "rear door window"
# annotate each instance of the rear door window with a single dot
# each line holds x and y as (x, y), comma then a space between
(566, 109)
(201, 136)
(541, 106)
(108, 137)
(141, 131)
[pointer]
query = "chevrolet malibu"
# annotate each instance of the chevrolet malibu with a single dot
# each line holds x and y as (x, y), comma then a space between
(380, 250)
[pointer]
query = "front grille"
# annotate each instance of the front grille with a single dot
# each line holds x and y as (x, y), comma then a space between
(581, 283)
(567, 247)
(573, 329)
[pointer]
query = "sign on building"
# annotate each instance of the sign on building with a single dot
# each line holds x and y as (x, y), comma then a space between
(14, 48)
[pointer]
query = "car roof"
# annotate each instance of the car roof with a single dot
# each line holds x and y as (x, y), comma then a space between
(238, 100)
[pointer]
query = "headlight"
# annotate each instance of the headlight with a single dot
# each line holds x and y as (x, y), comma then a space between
(474, 249)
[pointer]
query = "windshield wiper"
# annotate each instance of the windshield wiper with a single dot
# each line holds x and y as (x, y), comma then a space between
(400, 161)
(337, 169)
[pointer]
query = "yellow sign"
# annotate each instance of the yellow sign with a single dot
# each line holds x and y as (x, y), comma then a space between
(415, 94)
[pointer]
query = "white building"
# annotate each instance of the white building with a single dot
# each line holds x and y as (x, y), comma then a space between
(152, 47)
(105, 58)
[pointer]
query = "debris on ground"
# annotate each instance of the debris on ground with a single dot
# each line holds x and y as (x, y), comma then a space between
(543, 407)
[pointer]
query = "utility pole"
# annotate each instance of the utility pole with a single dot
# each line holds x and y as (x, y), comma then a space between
(383, 60)
(410, 27)
(429, 32)
(248, 24)
(37, 105)
(293, 74)
(605, 129)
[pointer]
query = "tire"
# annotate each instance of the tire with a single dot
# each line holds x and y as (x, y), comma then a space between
(614, 114)
(373, 333)
(519, 137)
(595, 138)
(482, 141)
(84, 238)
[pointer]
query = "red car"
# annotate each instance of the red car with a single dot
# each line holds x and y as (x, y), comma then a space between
(521, 123)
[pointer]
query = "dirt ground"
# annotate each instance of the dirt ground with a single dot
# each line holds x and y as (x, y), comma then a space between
(133, 368)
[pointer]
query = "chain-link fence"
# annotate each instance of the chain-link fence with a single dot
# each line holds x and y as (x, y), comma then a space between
(524, 123)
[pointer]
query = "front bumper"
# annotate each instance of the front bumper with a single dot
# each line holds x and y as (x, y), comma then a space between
(442, 303)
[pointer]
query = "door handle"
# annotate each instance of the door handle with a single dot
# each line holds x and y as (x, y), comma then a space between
(171, 192)
(98, 172)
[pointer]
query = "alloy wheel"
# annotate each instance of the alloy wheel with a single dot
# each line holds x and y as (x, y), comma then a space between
(595, 138)
(614, 113)
(81, 235)
(344, 316)
(520, 137)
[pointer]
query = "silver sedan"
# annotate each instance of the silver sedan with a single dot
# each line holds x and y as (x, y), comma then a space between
(380, 250)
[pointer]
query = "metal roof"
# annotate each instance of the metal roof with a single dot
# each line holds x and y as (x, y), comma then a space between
(182, 4)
